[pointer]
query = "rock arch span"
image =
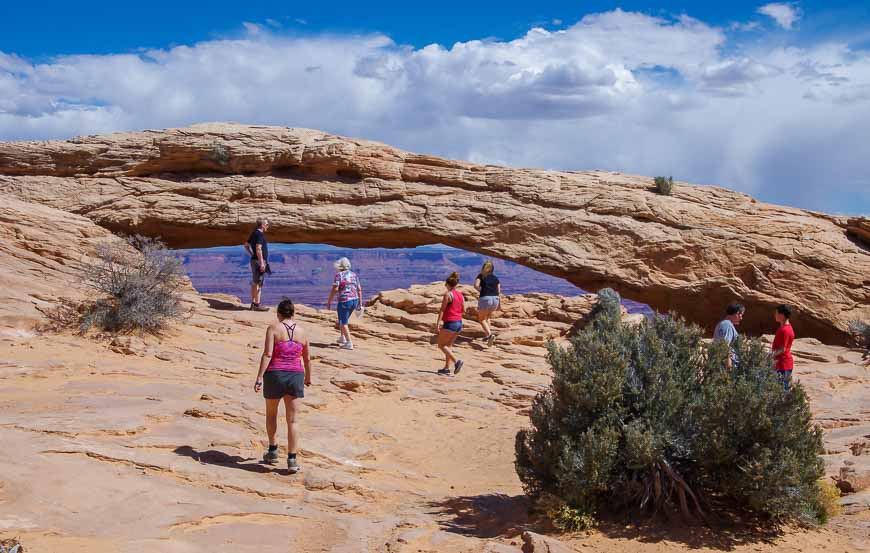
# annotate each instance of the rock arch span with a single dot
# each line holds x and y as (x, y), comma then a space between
(692, 252)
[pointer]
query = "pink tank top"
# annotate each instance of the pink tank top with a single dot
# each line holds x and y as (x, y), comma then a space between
(287, 355)
(455, 308)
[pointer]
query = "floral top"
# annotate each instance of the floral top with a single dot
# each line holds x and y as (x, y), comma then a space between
(348, 284)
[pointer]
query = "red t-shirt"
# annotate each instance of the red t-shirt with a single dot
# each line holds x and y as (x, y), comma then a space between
(783, 339)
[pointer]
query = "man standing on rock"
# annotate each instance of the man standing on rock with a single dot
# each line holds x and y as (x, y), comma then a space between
(726, 330)
(258, 249)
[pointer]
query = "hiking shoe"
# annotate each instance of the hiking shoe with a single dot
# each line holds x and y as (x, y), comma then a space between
(258, 307)
(341, 340)
(457, 367)
(292, 466)
(347, 345)
(490, 339)
(445, 370)
(271, 457)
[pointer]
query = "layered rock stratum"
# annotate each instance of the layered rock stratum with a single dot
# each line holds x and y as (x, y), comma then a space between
(692, 252)
(152, 443)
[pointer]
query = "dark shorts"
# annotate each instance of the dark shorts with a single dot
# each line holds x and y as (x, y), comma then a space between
(452, 326)
(346, 309)
(277, 384)
(257, 277)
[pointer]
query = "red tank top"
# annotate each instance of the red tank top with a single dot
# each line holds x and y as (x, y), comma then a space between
(455, 308)
(287, 355)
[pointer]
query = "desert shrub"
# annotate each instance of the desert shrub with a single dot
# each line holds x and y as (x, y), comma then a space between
(648, 417)
(664, 186)
(860, 330)
(139, 288)
(10, 546)
(608, 302)
(827, 504)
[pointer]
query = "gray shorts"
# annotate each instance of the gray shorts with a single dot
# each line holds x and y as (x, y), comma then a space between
(257, 277)
(277, 384)
(487, 303)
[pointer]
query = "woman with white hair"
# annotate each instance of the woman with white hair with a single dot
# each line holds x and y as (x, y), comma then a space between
(346, 285)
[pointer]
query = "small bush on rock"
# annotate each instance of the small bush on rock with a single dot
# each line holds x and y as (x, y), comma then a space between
(140, 287)
(648, 417)
(664, 186)
(861, 332)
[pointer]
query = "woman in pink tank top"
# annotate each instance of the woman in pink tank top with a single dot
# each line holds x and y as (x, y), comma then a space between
(449, 323)
(285, 370)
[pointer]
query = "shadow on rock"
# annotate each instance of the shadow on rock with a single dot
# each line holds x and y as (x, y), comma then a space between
(721, 535)
(214, 457)
(223, 305)
(484, 516)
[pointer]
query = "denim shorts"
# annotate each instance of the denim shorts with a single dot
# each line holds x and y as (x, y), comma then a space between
(346, 309)
(452, 326)
(785, 378)
(487, 303)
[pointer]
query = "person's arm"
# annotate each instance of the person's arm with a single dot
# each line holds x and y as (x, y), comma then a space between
(477, 284)
(331, 295)
(777, 347)
(498, 293)
(260, 257)
(266, 358)
(444, 301)
(359, 293)
(248, 249)
(306, 362)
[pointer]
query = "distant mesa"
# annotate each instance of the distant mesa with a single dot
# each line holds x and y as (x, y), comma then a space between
(692, 252)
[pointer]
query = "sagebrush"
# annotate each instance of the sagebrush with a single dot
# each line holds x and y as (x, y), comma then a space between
(138, 287)
(664, 186)
(648, 417)
(860, 331)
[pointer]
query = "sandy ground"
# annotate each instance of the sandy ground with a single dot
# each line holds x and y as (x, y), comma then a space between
(154, 446)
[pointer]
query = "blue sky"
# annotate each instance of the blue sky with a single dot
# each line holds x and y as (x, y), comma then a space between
(769, 98)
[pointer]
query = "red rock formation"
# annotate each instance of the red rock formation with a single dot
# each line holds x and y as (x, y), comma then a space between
(691, 252)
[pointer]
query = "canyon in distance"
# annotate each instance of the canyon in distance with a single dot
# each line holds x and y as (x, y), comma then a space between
(304, 272)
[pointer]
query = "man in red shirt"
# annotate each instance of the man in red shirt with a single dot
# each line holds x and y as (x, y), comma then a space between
(783, 361)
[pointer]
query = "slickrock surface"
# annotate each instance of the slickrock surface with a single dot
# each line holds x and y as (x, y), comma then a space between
(692, 252)
(152, 444)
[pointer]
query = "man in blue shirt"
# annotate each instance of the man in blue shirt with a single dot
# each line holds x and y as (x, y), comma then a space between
(726, 330)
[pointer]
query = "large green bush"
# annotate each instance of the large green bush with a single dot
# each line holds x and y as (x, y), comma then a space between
(649, 417)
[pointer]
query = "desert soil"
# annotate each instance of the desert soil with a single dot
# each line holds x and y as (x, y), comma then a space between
(153, 444)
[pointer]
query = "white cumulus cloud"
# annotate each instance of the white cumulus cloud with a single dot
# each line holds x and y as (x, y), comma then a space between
(786, 15)
(616, 90)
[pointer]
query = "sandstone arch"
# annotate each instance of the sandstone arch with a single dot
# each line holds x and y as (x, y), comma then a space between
(691, 252)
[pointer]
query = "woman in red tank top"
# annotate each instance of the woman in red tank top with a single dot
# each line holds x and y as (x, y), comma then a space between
(449, 323)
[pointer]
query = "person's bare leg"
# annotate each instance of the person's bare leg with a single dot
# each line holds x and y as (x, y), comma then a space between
(258, 288)
(272, 420)
(483, 319)
(254, 293)
(445, 340)
(290, 410)
(345, 331)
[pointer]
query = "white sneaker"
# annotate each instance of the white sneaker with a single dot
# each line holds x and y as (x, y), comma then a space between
(341, 340)
(347, 345)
